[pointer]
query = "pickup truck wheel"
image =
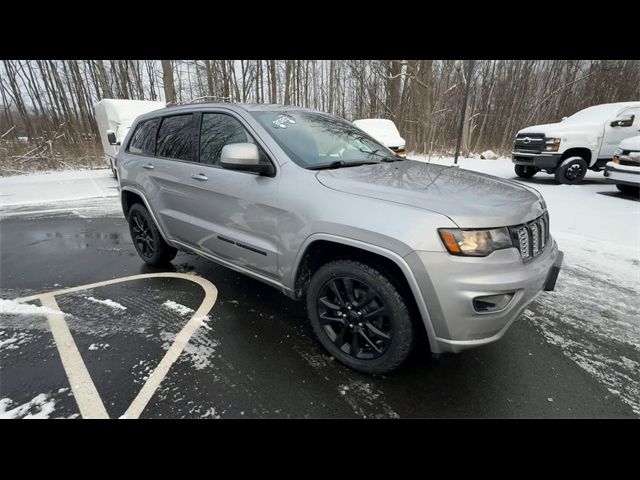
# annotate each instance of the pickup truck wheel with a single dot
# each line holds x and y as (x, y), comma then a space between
(526, 171)
(629, 189)
(147, 239)
(359, 316)
(571, 171)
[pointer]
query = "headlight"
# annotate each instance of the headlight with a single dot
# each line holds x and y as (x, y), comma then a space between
(476, 243)
(634, 156)
(552, 144)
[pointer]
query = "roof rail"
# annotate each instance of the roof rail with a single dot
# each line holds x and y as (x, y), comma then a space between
(200, 100)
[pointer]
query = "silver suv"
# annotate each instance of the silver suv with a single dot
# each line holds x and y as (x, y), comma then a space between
(381, 248)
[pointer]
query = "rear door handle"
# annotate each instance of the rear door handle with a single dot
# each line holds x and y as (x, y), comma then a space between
(199, 176)
(148, 166)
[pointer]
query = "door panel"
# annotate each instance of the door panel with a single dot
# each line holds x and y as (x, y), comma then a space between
(234, 214)
(235, 217)
(614, 135)
(166, 193)
(174, 153)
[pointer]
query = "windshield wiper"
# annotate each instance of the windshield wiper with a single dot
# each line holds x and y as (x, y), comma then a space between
(384, 158)
(340, 164)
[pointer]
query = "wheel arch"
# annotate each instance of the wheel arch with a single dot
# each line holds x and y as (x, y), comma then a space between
(582, 152)
(129, 197)
(320, 249)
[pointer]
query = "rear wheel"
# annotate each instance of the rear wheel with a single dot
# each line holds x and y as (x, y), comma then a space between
(571, 171)
(629, 189)
(359, 316)
(147, 239)
(526, 171)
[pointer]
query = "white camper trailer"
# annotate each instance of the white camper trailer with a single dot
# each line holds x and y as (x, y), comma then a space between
(117, 116)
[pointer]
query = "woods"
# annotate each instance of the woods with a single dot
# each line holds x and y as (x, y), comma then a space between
(47, 105)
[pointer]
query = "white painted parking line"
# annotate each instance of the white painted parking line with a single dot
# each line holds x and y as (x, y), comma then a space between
(83, 388)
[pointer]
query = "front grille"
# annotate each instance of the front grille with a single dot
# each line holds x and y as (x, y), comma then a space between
(531, 238)
(529, 142)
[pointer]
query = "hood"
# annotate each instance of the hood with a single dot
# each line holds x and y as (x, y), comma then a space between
(561, 128)
(632, 144)
(469, 199)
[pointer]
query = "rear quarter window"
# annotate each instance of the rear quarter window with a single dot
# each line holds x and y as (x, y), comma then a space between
(143, 141)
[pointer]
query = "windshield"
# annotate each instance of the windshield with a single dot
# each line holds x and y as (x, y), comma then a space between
(316, 140)
(599, 113)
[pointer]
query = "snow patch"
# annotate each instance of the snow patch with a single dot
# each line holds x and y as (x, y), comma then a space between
(365, 401)
(488, 155)
(11, 307)
(98, 346)
(108, 303)
(177, 308)
(39, 407)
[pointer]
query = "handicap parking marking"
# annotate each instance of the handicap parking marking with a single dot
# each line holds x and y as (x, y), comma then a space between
(82, 386)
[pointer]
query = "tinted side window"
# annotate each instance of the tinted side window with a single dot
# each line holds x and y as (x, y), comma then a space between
(216, 131)
(143, 140)
(175, 138)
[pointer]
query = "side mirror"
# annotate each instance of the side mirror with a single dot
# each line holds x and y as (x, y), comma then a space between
(245, 157)
(563, 119)
(623, 121)
(111, 137)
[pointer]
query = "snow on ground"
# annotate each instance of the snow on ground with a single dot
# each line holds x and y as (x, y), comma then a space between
(593, 316)
(65, 185)
(39, 407)
(108, 303)
(177, 308)
(11, 307)
(85, 193)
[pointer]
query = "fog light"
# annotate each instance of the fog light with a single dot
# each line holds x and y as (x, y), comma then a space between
(492, 303)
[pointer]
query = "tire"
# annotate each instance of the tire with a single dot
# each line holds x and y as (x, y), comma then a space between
(374, 354)
(146, 238)
(525, 171)
(629, 189)
(571, 171)
(113, 169)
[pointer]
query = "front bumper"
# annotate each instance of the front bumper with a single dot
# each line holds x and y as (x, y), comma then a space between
(543, 161)
(622, 175)
(449, 284)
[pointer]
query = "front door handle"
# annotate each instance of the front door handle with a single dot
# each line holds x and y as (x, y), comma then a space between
(148, 166)
(199, 176)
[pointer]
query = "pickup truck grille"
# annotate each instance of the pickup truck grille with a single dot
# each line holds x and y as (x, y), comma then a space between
(529, 143)
(532, 238)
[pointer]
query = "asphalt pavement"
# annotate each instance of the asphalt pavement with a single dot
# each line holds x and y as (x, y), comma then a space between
(254, 356)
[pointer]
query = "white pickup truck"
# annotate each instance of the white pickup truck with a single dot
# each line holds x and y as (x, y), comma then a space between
(585, 140)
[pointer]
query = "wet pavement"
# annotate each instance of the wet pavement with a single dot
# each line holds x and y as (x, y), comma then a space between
(254, 356)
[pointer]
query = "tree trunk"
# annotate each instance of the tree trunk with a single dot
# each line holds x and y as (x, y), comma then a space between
(167, 81)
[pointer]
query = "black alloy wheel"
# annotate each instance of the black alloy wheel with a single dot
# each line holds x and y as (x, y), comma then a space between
(142, 236)
(354, 317)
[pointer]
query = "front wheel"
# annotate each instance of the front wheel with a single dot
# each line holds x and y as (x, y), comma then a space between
(571, 171)
(526, 171)
(359, 316)
(632, 190)
(147, 239)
